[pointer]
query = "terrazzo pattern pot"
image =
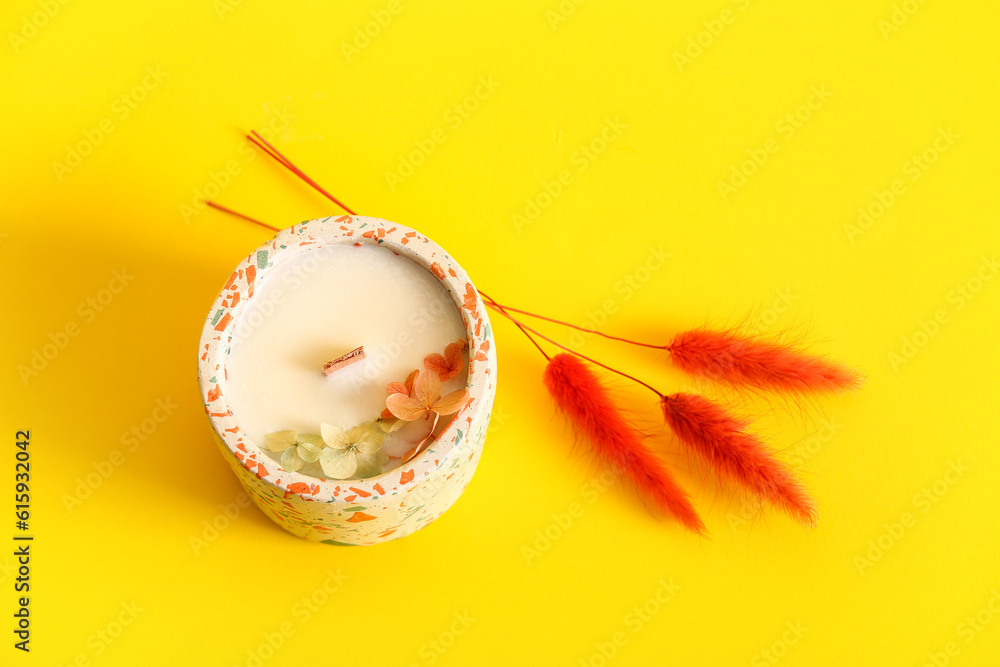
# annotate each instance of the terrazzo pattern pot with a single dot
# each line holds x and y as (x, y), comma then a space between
(377, 509)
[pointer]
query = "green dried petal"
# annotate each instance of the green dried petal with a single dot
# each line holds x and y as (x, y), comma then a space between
(312, 439)
(368, 466)
(361, 432)
(290, 460)
(338, 463)
(308, 451)
(391, 425)
(334, 436)
(279, 441)
(374, 435)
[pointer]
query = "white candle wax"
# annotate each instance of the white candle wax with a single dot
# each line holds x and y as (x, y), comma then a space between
(319, 305)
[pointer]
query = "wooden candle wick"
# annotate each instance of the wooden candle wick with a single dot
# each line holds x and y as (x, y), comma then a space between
(355, 355)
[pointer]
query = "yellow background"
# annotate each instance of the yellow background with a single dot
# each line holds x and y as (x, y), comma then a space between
(777, 252)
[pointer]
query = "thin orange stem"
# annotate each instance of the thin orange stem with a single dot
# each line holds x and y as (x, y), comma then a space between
(230, 211)
(427, 438)
(526, 328)
(579, 328)
(262, 143)
(495, 305)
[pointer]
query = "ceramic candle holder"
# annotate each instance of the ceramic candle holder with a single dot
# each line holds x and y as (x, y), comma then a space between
(395, 503)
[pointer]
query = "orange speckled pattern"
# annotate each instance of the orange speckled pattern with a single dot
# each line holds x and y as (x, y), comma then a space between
(352, 512)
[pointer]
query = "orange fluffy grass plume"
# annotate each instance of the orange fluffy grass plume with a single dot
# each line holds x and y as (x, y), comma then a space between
(579, 394)
(726, 356)
(735, 453)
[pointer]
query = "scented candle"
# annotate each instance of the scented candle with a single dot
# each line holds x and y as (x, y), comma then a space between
(333, 456)
(317, 306)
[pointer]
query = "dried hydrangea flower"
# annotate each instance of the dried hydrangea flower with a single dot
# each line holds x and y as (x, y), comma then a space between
(426, 399)
(297, 449)
(450, 363)
(390, 425)
(399, 388)
(352, 453)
